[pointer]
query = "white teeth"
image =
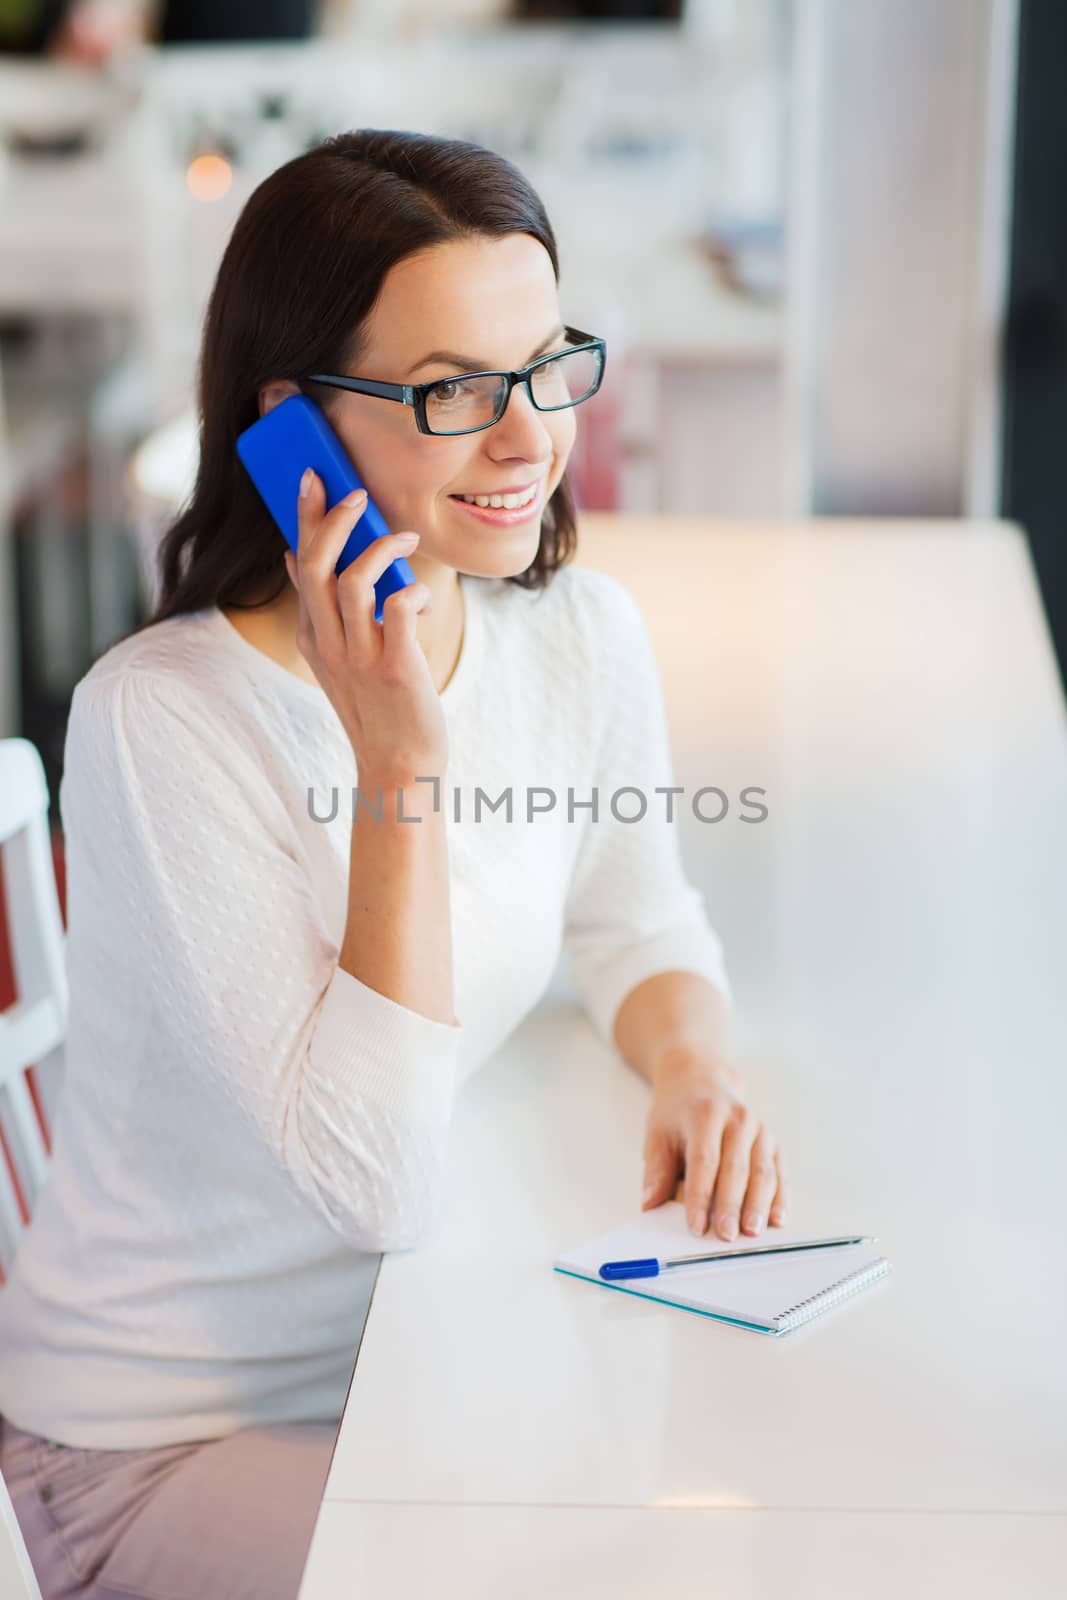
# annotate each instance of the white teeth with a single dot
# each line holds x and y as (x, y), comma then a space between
(509, 502)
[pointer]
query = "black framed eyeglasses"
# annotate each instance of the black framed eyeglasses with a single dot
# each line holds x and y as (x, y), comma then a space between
(470, 401)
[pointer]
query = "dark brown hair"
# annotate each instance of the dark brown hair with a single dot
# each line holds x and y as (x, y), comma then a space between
(302, 270)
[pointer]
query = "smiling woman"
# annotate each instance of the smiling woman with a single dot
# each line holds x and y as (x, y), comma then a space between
(406, 258)
(412, 264)
(271, 1011)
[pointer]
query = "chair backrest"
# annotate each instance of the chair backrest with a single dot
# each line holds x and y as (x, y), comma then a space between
(33, 1029)
(17, 1580)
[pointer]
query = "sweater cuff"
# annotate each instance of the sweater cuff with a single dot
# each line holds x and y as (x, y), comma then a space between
(403, 1061)
(695, 948)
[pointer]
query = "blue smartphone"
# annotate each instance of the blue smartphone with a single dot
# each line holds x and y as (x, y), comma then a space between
(276, 449)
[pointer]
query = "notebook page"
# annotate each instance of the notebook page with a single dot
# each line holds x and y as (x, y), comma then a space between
(758, 1291)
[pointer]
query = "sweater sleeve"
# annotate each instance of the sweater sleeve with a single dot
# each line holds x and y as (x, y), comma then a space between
(630, 911)
(205, 897)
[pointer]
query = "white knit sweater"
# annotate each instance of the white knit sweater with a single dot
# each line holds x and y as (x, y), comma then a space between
(244, 1126)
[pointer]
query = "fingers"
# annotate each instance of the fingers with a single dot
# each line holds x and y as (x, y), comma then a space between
(737, 1142)
(399, 633)
(320, 537)
(706, 1127)
(340, 611)
(355, 589)
(732, 1164)
(780, 1195)
(662, 1167)
(762, 1182)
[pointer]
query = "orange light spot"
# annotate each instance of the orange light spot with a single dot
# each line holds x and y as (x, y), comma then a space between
(209, 177)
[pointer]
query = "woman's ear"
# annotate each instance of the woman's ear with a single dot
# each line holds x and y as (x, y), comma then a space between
(272, 394)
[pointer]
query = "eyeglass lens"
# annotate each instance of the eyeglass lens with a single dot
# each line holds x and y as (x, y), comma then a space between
(456, 405)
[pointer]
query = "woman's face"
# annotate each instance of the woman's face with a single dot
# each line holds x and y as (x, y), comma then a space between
(494, 302)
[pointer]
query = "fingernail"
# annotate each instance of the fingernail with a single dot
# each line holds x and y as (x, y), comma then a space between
(408, 540)
(696, 1226)
(754, 1221)
(356, 498)
(305, 483)
(728, 1225)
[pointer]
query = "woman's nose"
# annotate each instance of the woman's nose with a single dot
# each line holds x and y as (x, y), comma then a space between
(521, 431)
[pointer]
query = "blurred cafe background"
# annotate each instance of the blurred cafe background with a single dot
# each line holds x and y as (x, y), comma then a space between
(824, 239)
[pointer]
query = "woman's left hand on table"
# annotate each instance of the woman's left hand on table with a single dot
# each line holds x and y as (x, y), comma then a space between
(700, 1128)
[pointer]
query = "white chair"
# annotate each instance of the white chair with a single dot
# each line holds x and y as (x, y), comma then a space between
(17, 1580)
(33, 1029)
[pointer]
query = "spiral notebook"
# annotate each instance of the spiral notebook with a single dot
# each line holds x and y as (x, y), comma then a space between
(769, 1294)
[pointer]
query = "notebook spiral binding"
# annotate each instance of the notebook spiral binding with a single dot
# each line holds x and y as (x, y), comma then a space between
(804, 1310)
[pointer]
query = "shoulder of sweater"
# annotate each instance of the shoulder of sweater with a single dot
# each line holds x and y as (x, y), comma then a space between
(174, 658)
(583, 630)
(576, 588)
(175, 661)
(580, 606)
(155, 710)
(169, 670)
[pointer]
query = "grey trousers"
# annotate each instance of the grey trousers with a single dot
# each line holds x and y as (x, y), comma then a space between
(222, 1519)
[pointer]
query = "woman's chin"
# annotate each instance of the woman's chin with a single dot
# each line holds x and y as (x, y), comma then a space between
(499, 552)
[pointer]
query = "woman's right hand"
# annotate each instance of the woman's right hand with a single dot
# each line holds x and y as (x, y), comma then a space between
(376, 677)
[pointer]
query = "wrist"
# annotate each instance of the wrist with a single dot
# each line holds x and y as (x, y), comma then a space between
(696, 1064)
(414, 794)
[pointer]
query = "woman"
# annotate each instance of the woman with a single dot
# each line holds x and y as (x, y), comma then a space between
(275, 995)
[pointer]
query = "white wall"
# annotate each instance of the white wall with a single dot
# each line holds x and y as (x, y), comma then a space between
(899, 166)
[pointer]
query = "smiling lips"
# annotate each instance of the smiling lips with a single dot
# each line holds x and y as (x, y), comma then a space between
(504, 499)
(518, 508)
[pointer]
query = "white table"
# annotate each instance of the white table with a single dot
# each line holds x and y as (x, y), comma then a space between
(895, 932)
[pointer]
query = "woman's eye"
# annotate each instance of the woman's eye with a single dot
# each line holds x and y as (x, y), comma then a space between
(452, 390)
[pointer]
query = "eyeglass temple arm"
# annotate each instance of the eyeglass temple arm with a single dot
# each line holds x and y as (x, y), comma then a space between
(385, 391)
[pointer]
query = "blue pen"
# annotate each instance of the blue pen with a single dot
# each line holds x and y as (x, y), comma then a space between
(652, 1267)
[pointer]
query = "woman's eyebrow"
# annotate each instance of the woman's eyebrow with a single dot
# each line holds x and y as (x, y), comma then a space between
(466, 364)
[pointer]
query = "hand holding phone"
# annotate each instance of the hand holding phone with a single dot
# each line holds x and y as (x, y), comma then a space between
(276, 450)
(377, 679)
